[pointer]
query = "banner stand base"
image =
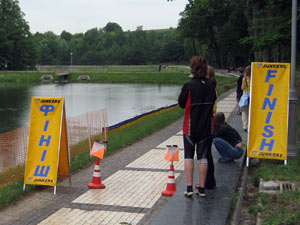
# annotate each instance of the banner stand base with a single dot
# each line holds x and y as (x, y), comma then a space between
(248, 161)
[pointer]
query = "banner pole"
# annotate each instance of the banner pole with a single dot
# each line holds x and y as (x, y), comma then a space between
(247, 163)
(292, 137)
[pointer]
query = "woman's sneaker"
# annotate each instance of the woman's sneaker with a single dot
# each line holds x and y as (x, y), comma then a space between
(188, 194)
(189, 191)
(200, 191)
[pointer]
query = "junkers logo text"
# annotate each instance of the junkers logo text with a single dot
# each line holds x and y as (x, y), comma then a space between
(274, 66)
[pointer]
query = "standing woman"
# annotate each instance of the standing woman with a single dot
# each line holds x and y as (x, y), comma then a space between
(239, 91)
(210, 182)
(197, 97)
(246, 91)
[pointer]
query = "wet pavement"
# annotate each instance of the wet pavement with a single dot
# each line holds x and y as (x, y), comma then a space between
(134, 178)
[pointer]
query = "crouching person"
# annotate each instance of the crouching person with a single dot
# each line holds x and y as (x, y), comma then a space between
(227, 140)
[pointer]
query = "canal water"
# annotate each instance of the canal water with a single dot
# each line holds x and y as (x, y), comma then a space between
(121, 101)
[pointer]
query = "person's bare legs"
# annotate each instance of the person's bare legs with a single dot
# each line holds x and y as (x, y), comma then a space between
(202, 168)
(189, 171)
(245, 112)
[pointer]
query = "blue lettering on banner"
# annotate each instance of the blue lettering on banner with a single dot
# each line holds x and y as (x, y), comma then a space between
(44, 155)
(46, 109)
(268, 120)
(272, 105)
(42, 171)
(268, 129)
(270, 74)
(46, 125)
(270, 91)
(265, 144)
(45, 140)
(269, 104)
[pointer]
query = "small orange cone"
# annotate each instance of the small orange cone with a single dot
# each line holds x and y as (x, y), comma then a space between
(171, 185)
(96, 183)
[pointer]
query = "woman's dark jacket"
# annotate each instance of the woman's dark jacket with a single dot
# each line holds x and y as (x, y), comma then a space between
(197, 97)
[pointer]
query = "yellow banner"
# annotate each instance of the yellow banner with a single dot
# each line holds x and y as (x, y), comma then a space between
(47, 126)
(268, 118)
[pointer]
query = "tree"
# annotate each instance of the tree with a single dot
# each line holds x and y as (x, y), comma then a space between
(17, 49)
(110, 45)
(232, 52)
(66, 35)
(215, 29)
(112, 27)
(201, 20)
(49, 50)
(172, 48)
(270, 29)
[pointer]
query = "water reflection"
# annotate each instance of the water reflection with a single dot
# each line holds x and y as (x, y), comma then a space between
(122, 101)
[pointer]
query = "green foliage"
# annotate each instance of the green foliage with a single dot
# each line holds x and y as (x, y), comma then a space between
(81, 161)
(278, 208)
(254, 209)
(276, 170)
(256, 177)
(112, 27)
(66, 35)
(217, 26)
(270, 29)
(17, 51)
(13, 192)
(22, 76)
(110, 46)
(137, 131)
(234, 33)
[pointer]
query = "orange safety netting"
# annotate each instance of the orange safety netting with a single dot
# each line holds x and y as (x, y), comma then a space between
(82, 130)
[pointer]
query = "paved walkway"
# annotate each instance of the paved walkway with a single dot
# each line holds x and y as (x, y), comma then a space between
(134, 179)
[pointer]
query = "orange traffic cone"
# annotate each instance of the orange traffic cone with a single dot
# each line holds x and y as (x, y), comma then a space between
(96, 183)
(171, 185)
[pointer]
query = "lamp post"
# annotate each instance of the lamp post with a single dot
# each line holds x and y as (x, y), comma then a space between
(292, 147)
(71, 58)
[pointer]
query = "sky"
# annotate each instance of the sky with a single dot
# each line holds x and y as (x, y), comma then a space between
(78, 16)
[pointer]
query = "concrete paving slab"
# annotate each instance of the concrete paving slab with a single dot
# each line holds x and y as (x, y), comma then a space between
(174, 140)
(128, 188)
(154, 159)
(180, 133)
(77, 216)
